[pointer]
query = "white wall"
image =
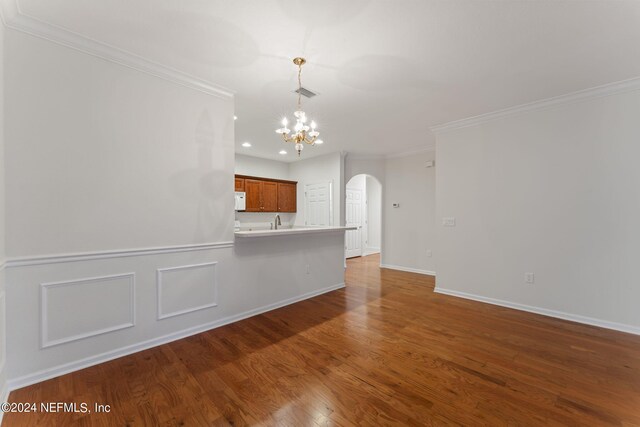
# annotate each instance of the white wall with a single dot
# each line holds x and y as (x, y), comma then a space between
(120, 214)
(3, 389)
(374, 217)
(89, 175)
(356, 165)
(329, 167)
(553, 191)
(409, 231)
(264, 168)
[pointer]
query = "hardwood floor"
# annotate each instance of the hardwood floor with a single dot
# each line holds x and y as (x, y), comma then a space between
(384, 351)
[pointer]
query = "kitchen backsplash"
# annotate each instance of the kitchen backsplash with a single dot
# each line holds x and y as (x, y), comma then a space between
(260, 220)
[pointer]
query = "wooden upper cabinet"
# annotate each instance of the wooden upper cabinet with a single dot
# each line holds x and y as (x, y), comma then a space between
(253, 196)
(239, 184)
(268, 195)
(286, 197)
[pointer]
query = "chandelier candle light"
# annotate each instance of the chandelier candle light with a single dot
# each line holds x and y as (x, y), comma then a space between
(303, 133)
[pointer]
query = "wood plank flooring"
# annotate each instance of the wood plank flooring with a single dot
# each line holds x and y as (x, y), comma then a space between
(384, 351)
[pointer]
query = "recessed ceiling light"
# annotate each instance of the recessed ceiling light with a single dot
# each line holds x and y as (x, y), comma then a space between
(319, 141)
(246, 144)
(283, 152)
(235, 117)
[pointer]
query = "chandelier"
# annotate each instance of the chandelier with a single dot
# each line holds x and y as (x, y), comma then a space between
(302, 133)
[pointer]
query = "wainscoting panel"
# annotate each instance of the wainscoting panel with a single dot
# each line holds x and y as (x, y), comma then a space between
(186, 288)
(84, 312)
(76, 309)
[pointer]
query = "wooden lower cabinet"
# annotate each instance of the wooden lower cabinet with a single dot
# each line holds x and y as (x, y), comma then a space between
(286, 197)
(263, 195)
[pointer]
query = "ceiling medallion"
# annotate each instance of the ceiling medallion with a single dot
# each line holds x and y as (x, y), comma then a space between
(303, 133)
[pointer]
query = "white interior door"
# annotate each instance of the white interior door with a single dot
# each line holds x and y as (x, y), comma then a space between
(317, 204)
(353, 238)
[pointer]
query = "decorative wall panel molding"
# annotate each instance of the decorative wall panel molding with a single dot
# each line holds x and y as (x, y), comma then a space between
(76, 365)
(186, 289)
(16, 19)
(76, 309)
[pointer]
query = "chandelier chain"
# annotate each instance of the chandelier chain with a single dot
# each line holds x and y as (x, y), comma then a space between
(299, 87)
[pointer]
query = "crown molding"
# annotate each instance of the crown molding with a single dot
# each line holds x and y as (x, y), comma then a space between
(609, 89)
(15, 19)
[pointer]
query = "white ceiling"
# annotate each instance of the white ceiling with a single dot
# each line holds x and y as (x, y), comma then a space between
(386, 70)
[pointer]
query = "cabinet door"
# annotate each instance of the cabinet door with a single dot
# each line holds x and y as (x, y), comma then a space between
(269, 196)
(286, 197)
(239, 184)
(253, 197)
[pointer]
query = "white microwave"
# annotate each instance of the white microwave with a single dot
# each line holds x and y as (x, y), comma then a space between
(241, 203)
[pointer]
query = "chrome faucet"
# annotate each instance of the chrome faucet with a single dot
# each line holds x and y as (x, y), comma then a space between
(277, 221)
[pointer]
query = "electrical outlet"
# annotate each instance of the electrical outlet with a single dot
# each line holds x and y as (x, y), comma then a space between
(529, 277)
(449, 221)
(429, 253)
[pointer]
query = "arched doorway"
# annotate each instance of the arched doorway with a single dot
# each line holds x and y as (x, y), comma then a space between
(363, 209)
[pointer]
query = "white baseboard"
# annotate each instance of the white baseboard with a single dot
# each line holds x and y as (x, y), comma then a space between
(370, 251)
(545, 312)
(408, 269)
(49, 373)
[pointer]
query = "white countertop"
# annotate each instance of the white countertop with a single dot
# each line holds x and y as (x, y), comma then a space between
(289, 231)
